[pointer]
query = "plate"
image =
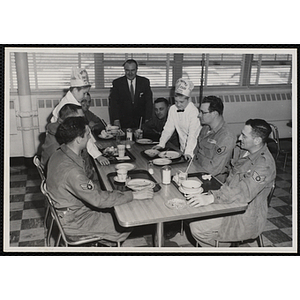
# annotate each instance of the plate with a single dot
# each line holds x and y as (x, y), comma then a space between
(169, 154)
(144, 141)
(139, 184)
(161, 161)
(151, 152)
(197, 191)
(126, 166)
(107, 137)
(117, 180)
(176, 203)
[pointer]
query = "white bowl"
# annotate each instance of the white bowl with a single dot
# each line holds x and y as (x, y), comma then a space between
(190, 185)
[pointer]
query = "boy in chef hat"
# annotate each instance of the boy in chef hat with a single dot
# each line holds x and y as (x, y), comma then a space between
(183, 117)
(79, 86)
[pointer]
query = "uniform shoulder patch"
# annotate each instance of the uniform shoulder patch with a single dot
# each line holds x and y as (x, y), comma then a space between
(221, 150)
(257, 178)
(88, 186)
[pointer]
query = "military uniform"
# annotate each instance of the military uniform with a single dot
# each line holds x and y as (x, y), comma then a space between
(78, 199)
(250, 180)
(214, 149)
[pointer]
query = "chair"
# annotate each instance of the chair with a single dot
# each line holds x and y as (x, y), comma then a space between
(283, 146)
(259, 239)
(70, 240)
(40, 169)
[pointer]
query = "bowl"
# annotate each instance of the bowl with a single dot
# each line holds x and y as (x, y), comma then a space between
(190, 185)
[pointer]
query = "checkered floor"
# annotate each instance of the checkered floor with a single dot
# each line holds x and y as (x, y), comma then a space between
(27, 208)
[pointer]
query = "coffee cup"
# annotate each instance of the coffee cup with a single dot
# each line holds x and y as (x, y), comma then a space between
(181, 177)
(121, 150)
(138, 134)
(122, 174)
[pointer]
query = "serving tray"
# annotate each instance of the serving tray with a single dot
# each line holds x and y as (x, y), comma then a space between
(208, 185)
(120, 186)
(178, 160)
(113, 158)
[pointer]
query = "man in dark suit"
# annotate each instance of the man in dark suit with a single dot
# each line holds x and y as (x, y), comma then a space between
(130, 98)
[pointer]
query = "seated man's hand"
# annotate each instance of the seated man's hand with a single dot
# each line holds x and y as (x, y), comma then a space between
(143, 194)
(200, 200)
(187, 157)
(103, 161)
(157, 147)
(117, 123)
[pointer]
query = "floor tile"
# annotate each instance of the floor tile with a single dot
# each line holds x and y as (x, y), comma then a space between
(14, 236)
(17, 190)
(34, 204)
(276, 202)
(270, 226)
(32, 223)
(281, 222)
(284, 210)
(16, 198)
(33, 189)
(32, 234)
(15, 225)
(34, 182)
(288, 231)
(33, 196)
(14, 178)
(284, 244)
(36, 243)
(33, 213)
(272, 213)
(15, 206)
(276, 236)
(16, 215)
(17, 184)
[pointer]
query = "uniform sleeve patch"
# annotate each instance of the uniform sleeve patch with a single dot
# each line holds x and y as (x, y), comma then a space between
(88, 186)
(257, 178)
(221, 150)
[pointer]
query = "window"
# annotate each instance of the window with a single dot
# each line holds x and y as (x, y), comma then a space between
(51, 70)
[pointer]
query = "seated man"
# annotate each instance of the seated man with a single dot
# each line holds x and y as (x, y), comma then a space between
(94, 122)
(250, 180)
(76, 197)
(182, 117)
(215, 141)
(51, 144)
(153, 128)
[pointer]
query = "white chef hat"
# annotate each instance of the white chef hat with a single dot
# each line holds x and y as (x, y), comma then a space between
(184, 87)
(79, 78)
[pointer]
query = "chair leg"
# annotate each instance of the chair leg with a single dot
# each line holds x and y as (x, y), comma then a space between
(216, 243)
(49, 232)
(259, 240)
(182, 228)
(58, 240)
(285, 161)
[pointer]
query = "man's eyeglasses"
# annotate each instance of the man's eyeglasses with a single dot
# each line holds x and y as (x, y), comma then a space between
(204, 112)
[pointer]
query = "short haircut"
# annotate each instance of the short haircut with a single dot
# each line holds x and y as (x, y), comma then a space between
(130, 61)
(160, 100)
(67, 110)
(215, 104)
(260, 128)
(70, 129)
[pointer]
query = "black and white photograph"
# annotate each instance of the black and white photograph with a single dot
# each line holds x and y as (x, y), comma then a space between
(150, 149)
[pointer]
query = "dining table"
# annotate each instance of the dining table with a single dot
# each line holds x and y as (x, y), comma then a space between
(155, 210)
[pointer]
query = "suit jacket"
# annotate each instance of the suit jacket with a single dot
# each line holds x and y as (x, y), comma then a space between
(120, 104)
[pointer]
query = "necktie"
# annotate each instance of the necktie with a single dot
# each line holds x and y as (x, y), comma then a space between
(180, 110)
(132, 92)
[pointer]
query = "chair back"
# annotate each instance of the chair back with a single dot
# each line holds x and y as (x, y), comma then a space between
(39, 167)
(271, 193)
(53, 211)
(273, 142)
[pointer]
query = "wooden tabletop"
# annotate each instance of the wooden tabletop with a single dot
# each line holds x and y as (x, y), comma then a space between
(141, 212)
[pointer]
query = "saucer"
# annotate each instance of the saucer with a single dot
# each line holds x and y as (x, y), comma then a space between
(117, 180)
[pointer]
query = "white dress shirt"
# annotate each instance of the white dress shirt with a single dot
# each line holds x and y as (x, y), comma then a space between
(187, 126)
